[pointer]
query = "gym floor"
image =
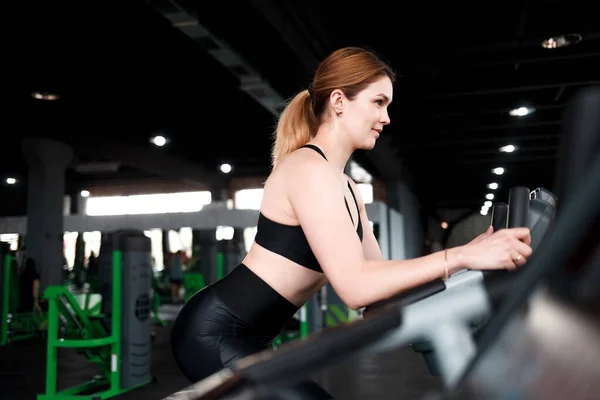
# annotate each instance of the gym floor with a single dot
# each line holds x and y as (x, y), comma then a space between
(399, 375)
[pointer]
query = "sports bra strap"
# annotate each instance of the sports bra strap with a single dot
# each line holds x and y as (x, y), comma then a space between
(353, 196)
(315, 148)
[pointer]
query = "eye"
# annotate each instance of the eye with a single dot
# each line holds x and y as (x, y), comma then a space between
(379, 102)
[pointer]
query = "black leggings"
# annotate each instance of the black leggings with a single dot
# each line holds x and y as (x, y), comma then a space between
(229, 320)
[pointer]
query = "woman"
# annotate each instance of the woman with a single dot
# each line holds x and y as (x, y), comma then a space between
(313, 227)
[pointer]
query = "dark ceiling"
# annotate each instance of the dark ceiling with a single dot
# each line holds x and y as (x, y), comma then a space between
(128, 70)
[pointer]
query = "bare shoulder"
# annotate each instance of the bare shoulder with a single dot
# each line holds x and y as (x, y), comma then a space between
(303, 160)
(299, 180)
(307, 174)
(301, 165)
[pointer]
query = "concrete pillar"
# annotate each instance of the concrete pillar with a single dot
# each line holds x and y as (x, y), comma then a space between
(204, 243)
(216, 248)
(234, 250)
(47, 161)
(402, 199)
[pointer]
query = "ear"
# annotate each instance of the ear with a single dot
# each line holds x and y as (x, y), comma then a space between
(337, 99)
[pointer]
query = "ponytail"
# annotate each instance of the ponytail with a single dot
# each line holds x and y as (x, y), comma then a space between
(296, 126)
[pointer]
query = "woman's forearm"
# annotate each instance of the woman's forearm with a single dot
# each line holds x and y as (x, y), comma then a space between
(382, 279)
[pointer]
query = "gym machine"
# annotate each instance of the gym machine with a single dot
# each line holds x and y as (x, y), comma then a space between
(15, 324)
(544, 341)
(117, 339)
(533, 209)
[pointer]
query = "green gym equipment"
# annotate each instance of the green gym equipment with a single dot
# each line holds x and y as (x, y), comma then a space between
(323, 310)
(15, 325)
(115, 335)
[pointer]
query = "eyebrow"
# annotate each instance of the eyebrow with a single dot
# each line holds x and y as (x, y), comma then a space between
(387, 99)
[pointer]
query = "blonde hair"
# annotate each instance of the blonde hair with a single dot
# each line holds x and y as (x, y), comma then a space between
(350, 69)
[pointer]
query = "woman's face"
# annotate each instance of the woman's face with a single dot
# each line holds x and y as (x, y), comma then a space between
(364, 117)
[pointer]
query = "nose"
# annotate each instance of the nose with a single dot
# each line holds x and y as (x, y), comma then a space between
(385, 118)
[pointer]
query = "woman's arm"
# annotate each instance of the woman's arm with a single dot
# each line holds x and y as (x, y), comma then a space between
(316, 195)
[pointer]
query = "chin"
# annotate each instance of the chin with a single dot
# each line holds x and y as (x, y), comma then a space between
(368, 145)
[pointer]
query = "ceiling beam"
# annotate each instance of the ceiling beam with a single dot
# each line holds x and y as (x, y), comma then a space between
(443, 154)
(251, 80)
(424, 163)
(428, 143)
(515, 89)
(446, 50)
(156, 162)
(451, 67)
(287, 25)
(429, 132)
(478, 111)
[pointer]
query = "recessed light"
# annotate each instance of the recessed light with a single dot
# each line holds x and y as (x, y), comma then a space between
(45, 96)
(498, 171)
(508, 148)
(225, 168)
(159, 140)
(11, 181)
(493, 186)
(521, 111)
(561, 41)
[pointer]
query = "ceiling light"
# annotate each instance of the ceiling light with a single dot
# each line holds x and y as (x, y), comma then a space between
(45, 96)
(85, 193)
(507, 149)
(159, 140)
(225, 168)
(493, 186)
(484, 210)
(444, 225)
(489, 196)
(11, 181)
(521, 111)
(498, 171)
(561, 41)
(487, 204)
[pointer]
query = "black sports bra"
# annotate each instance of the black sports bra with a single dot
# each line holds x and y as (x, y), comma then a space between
(289, 241)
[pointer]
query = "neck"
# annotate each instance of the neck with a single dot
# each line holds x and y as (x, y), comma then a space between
(337, 151)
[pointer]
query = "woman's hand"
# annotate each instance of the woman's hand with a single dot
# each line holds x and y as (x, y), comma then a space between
(505, 249)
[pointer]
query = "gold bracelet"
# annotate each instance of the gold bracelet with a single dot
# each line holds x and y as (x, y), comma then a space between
(446, 264)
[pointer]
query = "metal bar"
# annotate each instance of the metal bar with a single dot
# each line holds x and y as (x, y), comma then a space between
(428, 144)
(494, 47)
(443, 154)
(115, 381)
(425, 164)
(5, 300)
(85, 342)
(487, 128)
(516, 89)
(52, 349)
(499, 63)
(475, 111)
